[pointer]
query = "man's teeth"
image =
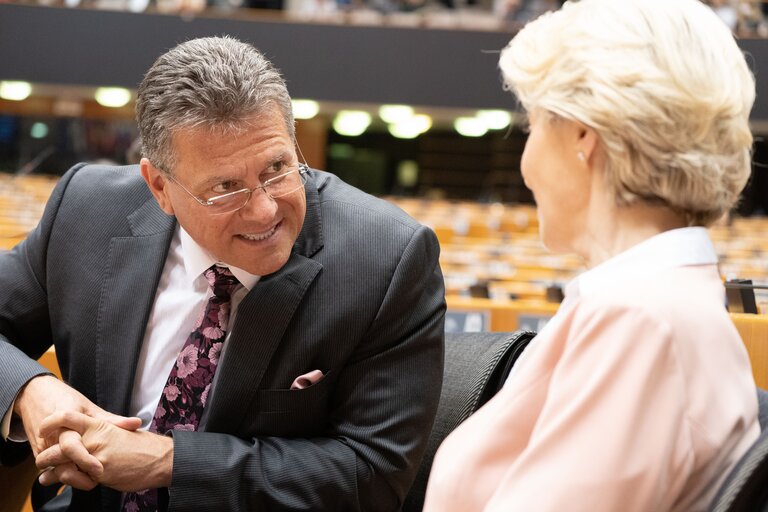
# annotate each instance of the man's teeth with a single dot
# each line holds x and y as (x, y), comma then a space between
(260, 236)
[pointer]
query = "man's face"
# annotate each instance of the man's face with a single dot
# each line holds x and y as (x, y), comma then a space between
(257, 238)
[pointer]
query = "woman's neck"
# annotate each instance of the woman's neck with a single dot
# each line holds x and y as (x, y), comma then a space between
(613, 229)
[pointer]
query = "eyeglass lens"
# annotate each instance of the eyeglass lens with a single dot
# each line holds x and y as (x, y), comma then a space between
(275, 187)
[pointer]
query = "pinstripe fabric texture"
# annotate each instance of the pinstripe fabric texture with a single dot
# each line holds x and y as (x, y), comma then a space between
(361, 299)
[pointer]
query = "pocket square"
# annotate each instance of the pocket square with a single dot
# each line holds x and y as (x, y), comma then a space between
(306, 380)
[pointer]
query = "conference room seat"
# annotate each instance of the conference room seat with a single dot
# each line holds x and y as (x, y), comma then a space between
(746, 487)
(476, 366)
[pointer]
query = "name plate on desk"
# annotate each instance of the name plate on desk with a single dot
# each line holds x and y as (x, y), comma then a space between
(467, 321)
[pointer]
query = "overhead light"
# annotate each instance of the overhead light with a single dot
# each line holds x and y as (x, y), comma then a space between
(395, 113)
(351, 122)
(114, 97)
(423, 121)
(39, 130)
(411, 127)
(305, 109)
(14, 90)
(495, 119)
(470, 126)
(403, 130)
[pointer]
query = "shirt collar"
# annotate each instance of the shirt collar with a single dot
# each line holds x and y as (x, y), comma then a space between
(674, 248)
(197, 260)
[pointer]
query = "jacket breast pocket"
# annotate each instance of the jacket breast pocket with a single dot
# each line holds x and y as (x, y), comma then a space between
(293, 413)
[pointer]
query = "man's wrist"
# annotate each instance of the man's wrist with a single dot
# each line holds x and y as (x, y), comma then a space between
(18, 404)
(164, 466)
(11, 426)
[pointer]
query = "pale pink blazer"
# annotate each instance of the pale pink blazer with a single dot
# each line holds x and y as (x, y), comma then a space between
(637, 396)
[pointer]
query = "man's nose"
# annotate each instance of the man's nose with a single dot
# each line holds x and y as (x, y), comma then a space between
(260, 207)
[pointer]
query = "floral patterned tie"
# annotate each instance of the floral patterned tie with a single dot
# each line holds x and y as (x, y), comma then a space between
(186, 390)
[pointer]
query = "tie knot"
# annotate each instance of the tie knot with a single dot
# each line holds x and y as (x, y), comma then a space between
(221, 280)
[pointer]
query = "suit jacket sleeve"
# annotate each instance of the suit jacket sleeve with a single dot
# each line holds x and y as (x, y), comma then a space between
(382, 410)
(25, 332)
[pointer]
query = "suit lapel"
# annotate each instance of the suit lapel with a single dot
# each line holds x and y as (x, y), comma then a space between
(128, 290)
(262, 319)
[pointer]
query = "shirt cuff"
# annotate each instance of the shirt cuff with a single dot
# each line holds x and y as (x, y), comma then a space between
(12, 428)
(5, 426)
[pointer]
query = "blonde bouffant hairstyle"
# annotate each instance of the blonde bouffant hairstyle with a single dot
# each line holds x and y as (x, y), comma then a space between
(662, 83)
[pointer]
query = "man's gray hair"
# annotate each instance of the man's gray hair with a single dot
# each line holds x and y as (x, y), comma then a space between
(218, 83)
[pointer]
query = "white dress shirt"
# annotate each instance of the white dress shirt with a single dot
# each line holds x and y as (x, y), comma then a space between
(181, 294)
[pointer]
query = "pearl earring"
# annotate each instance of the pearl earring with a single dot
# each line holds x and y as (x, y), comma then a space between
(582, 157)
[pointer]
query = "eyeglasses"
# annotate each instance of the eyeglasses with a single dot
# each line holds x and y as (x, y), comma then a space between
(279, 186)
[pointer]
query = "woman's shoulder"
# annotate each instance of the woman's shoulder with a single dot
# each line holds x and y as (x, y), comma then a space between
(675, 296)
(677, 315)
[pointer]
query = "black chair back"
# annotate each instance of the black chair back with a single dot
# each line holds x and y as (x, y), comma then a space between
(746, 488)
(476, 367)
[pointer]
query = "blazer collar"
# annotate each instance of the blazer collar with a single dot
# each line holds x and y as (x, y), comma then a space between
(149, 219)
(131, 275)
(310, 238)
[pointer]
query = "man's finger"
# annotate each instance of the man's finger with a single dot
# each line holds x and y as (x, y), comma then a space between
(50, 457)
(67, 420)
(72, 448)
(55, 456)
(124, 422)
(48, 476)
(67, 474)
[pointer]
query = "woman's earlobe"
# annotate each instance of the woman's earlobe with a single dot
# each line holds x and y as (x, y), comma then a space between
(587, 143)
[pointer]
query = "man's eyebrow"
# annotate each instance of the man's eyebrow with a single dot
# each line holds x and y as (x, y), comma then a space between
(216, 179)
(280, 157)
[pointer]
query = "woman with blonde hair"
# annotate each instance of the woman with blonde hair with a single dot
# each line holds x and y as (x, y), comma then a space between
(638, 394)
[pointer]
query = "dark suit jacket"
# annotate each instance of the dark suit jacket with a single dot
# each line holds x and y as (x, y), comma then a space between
(360, 298)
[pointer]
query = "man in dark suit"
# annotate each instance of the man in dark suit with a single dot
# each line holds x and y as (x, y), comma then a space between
(312, 372)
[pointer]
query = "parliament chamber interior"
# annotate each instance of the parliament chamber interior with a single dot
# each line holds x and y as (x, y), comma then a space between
(431, 130)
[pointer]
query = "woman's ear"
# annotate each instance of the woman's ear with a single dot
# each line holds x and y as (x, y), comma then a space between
(158, 185)
(586, 142)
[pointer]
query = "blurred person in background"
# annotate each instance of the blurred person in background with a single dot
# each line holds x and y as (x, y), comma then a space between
(638, 394)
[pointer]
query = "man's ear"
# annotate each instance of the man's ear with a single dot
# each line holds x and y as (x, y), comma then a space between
(158, 185)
